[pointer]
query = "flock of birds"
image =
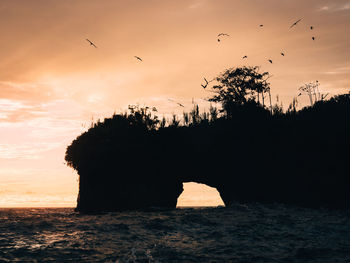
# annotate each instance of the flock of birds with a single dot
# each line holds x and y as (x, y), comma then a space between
(219, 39)
(93, 45)
(269, 60)
(222, 35)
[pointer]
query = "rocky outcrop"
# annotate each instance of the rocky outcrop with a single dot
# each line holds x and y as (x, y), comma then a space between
(112, 195)
(297, 158)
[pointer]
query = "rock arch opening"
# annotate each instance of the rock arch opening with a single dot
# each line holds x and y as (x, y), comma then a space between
(196, 194)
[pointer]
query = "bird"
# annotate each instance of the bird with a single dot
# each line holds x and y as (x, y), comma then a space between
(222, 34)
(245, 57)
(176, 103)
(270, 61)
(282, 54)
(180, 105)
(313, 38)
(295, 23)
(261, 25)
(311, 27)
(138, 58)
(206, 83)
(92, 44)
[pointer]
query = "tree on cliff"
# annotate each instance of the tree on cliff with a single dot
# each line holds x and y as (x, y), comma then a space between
(100, 139)
(240, 86)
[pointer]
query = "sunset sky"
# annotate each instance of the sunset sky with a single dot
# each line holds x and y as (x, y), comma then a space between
(53, 84)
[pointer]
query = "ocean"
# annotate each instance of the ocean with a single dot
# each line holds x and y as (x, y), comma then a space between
(242, 233)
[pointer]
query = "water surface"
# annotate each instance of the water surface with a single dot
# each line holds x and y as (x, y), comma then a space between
(252, 233)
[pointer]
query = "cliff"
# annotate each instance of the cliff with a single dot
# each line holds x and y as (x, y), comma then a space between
(131, 161)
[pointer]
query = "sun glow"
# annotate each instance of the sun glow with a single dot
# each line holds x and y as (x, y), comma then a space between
(195, 194)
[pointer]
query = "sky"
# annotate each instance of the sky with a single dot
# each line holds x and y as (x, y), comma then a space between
(53, 84)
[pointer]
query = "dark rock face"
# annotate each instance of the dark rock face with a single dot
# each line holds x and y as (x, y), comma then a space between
(299, 158)
(126, 183)
(95, 196)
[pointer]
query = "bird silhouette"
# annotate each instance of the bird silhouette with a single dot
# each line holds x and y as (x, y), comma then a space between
(282, 54)
(245, 57)
(270, 61)
(295, 23)
(176, 103)
(92, 44)
(261, 25)
(311, 27)
(138, 58)
(222, 35)
(206, 83)
(313, 38)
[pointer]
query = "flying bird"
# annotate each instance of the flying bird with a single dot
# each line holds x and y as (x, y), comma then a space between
(270, 61)
(245, 57)
(282, 54)
(138, 58)
(295, 23)
(313, 38)
(92, 44)
(176, 103)
(180, 105)
(222, 35)
(311, 27)
(261, 25)
(206, 83)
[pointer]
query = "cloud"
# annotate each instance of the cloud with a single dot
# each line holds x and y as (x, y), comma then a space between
(345, 7)
(337, 71)
(27, 151)
(17, 111)
(335, 7)
(28, 92)
(323, 8)
(196, 4)
(29, 132)
(23, 101)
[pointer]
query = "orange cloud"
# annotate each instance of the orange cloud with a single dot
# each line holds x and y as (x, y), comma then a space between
(28, 92)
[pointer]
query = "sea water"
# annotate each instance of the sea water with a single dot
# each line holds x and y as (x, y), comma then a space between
(242, 233)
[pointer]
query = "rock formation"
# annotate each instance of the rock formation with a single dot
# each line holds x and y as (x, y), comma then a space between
(300, 158)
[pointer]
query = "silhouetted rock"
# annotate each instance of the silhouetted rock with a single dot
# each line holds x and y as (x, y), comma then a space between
(298, 157)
